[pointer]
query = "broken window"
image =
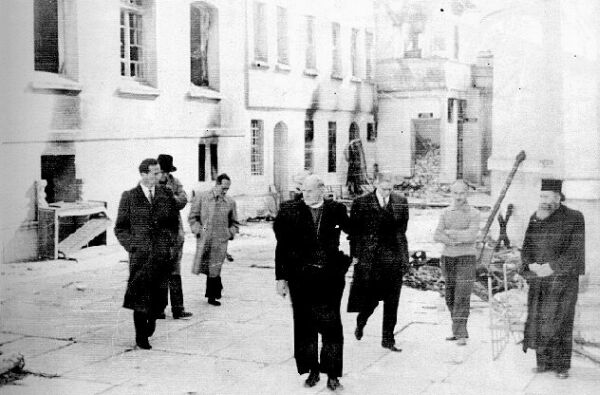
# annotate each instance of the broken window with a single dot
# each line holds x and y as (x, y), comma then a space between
(309, 137)
(200, 23)
(332, 147)
(47, 37)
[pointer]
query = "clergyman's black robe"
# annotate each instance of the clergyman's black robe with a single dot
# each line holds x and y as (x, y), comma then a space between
(560, 241)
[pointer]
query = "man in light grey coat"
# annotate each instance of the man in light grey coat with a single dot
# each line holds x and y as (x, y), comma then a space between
(213, 219)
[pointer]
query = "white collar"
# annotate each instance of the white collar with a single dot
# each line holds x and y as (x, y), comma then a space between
(380, 198)
(147, 190)
(316, 205)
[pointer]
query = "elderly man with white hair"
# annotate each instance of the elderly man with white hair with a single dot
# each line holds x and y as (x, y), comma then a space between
(311, 268)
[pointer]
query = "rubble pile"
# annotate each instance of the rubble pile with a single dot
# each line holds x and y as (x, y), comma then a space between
(425, 275)
(425, 179)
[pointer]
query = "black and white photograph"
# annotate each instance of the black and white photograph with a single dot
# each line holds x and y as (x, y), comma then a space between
(300, 197)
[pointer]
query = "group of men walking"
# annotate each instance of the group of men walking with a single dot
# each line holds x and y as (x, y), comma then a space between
(310, 267)
(150, 229)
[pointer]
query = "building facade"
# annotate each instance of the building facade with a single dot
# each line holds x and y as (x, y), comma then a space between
(259, 90)
(429, 94)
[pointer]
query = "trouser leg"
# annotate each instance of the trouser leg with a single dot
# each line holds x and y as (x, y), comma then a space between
(449, 271)
(390, 314)
(332, 350)
(140, 322)
(214, 286)
(176, 293)
(366, 311)
(465, 277)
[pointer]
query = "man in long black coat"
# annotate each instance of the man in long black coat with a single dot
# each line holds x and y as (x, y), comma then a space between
(553, 257)
(147, 226)
(379, 250)
(309, 264)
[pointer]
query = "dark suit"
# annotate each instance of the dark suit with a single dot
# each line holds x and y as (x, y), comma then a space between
(149, 234)
(378, 240)
(307, 256)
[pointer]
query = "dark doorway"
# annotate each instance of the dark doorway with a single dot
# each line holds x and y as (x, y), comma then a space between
(460, 120)
(59, 173)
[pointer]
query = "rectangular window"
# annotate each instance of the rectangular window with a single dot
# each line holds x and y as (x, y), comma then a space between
(260, 32)
(200, 22)
(354, 52)
(46, 36)
(309, 138)
(282, 36)
(214, 161)
(336, 68)
(256, 148)
(456, 42)
(331, 147)
(201, 162)
(311, 53)
(369, 56)
(132, 51)
(371, 131)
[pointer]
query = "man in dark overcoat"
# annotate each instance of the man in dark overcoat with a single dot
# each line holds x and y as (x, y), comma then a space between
(147, 226)
(553, 258)
(310, 266)
(378, 222)
(175, 287)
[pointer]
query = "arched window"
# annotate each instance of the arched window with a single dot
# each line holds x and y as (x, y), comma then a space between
(354, 132)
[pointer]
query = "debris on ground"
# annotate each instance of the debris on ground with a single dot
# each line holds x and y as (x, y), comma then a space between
(11, 367)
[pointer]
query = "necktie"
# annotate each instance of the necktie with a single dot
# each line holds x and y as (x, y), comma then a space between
(150, 195)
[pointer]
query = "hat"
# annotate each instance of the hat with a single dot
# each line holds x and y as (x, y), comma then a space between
(552, 185)
(166, 163)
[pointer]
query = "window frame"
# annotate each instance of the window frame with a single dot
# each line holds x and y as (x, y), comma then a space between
(257, 153)
(261, 39)
(127, 9)
(354, 53)
(337, 68)
(283, 39)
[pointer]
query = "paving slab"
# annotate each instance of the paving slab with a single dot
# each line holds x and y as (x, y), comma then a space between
(71, 357)
(33, 346)
(53, 386)
(9, 337)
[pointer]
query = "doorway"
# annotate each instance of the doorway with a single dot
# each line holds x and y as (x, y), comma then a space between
(280, 159)
(59, 173)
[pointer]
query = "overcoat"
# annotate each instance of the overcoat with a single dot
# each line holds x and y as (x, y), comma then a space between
(560, 241)
(378, 240)
(300, 246)
(213, 219)
(148, 232)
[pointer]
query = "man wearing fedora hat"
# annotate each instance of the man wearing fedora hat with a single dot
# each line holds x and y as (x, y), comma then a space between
(553, 258)
(175, 288)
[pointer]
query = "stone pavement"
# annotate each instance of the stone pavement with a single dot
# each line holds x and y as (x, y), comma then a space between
(65, 317)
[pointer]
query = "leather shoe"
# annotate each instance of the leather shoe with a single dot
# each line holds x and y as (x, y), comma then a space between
(358, 332)
(182, 314)
(161, 316)
(313, 379)
(451, 338)
(391, 347)
(562, 375)
(214, 302)
(333, 383)
(143, 343)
